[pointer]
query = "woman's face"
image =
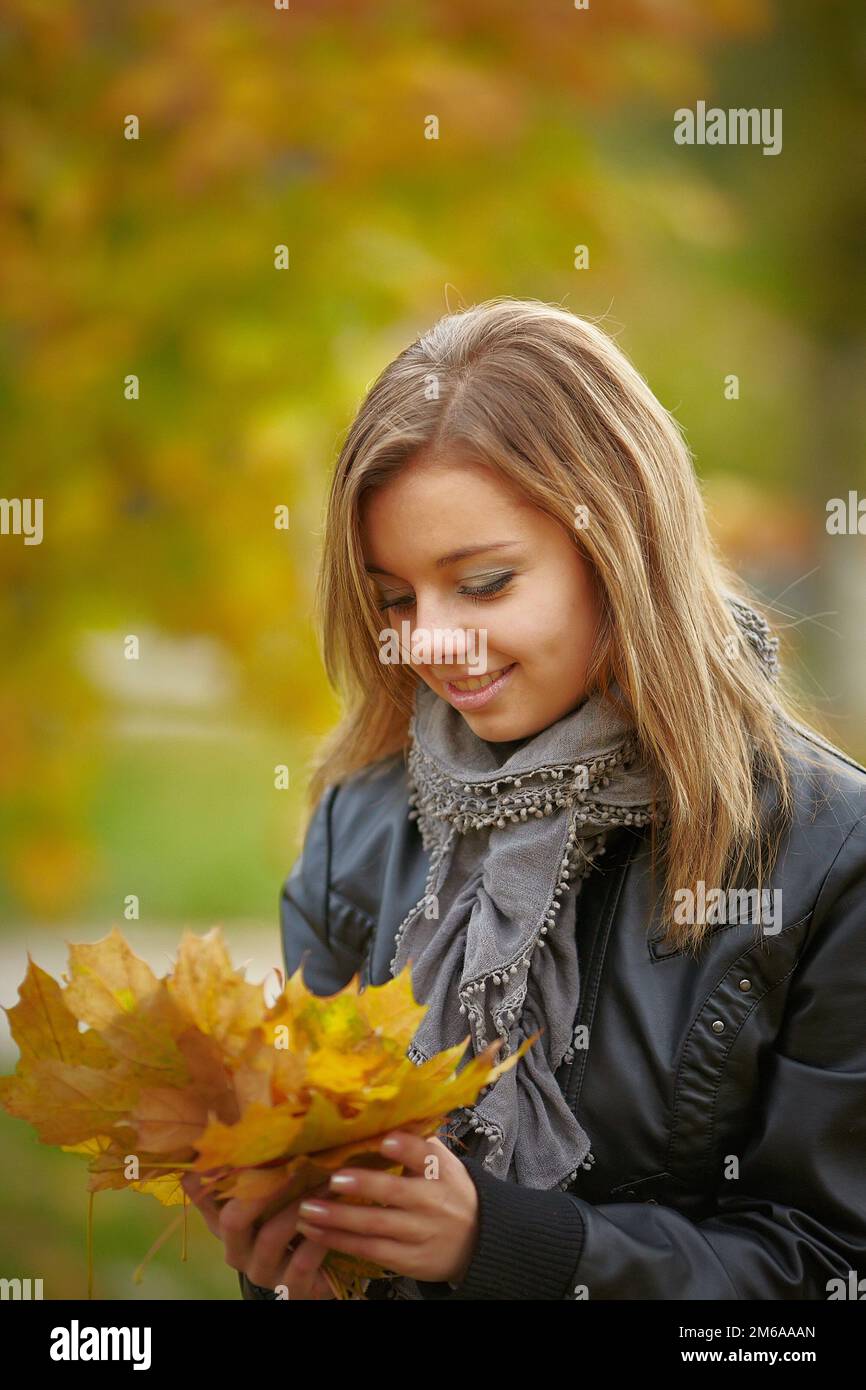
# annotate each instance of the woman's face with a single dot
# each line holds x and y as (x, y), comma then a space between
(450, 546)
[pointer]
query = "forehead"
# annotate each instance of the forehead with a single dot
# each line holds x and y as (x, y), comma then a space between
(431, 508)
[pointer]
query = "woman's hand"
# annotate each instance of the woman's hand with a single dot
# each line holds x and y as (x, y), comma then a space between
(423, 1224)
(262, 1252)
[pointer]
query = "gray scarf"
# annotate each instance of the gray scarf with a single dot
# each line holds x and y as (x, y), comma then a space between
(510, 840)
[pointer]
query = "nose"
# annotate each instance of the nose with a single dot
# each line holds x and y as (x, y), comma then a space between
(445, 644)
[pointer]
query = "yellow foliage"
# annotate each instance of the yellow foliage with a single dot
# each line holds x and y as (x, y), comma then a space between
(194, 1072)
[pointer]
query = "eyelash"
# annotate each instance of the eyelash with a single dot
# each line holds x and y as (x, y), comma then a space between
(482, 595)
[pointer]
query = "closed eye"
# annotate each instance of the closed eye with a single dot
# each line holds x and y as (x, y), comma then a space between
(487, 591)
(481, 594)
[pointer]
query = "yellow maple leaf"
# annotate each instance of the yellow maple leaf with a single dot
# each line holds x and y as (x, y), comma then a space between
(167, 1119)
(329, 1069)
(166, 1188)
(67, 1103)
(44, 1027)
(262, 1133)
(215, 996)
(114, 991)
(108, 979)
(210, 1073)
(391, 1009)
(431, 1090)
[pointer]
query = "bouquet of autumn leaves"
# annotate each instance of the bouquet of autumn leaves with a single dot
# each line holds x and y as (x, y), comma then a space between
(154, 1077)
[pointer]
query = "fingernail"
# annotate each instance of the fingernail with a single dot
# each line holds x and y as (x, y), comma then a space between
(342, 1180)
(391, 1145)
(312, 1209)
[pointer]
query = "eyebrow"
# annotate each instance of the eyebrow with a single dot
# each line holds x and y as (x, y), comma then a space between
(456, 555)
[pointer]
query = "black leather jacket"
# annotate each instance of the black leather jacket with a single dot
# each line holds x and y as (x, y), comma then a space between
(725, 1096)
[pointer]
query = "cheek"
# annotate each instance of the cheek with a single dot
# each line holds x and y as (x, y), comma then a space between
(550, 640)
(555, 647)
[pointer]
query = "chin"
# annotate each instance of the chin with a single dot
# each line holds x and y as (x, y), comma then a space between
(498, 731)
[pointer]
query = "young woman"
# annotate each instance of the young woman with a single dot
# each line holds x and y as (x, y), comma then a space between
(620, 834)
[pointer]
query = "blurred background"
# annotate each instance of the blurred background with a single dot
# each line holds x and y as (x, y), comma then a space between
(154, 257)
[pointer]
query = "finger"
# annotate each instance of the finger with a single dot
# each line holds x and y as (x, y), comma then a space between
(249, 1206)
(425, 1159)
(285, 1212)
(197, 1194)
(390, 1254)
(421, 1157)
(239, 1228)
(271, 1240)
(268, 1254)
(301, 1276)
(346, 1217)
(322, 1286)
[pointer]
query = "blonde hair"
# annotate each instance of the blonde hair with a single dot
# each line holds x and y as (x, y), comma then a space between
(550, 401)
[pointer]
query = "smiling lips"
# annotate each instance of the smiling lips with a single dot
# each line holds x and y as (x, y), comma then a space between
(478, 682)
(476, 692)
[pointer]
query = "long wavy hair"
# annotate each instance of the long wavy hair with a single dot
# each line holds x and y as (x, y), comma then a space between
(550, 401)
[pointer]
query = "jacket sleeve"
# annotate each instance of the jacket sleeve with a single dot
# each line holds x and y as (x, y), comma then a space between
(321, 932)
(793, 1221)
(254, 1291)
